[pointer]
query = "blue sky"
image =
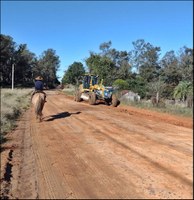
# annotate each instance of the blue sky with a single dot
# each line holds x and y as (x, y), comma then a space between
(74, 28)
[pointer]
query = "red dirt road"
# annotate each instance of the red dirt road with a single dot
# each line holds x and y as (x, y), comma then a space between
(84, 151)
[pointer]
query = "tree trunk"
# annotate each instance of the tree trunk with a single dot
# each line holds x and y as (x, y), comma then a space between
(157, 98)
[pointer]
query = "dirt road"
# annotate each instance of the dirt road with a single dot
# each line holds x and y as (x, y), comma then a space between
(84, 151)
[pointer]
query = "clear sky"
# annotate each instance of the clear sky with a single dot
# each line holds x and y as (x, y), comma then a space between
(74, 28)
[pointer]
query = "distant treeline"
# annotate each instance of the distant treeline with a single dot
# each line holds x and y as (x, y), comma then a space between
(26, 64)
(140, 70)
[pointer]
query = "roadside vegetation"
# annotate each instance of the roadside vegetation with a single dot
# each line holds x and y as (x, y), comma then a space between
(140, 69)
(164, 108)
(178, 110)
(13, 103)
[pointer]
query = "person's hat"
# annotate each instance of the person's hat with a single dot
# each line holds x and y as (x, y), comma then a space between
(39, 78)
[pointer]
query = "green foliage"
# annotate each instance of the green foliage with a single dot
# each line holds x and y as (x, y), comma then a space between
(183, 90)
(73, 73)
(124, 71)
(186, 64)
(138, 85)
(145, 59)
(47, 67)
(121, 84)
(170, 72)
(105, 46)
(101, 66)
(155, 87)
(26, 64)
(7, 46)
(110, 64)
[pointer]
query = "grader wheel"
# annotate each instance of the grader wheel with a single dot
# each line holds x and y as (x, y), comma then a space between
(92, 98)
(77, 96)
(115, 101)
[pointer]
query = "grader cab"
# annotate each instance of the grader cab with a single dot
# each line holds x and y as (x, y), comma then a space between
(92, 91)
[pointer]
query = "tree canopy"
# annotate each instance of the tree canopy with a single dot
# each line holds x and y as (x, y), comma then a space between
(73, 73)
(141, 69)
(26, 64)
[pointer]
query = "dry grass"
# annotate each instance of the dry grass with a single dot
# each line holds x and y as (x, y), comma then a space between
(170, 109)
(13, 102)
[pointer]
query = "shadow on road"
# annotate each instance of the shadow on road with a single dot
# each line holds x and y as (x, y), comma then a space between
(59, 116)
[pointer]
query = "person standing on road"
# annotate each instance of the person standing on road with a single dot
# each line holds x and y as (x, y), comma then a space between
(39, 87)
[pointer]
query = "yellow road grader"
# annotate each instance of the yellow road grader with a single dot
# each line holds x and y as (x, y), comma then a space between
(91, 91)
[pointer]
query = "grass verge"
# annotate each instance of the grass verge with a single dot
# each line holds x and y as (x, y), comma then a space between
(13, 103)
(170, 109)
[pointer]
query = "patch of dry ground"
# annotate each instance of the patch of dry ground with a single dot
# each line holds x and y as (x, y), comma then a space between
(84, 151)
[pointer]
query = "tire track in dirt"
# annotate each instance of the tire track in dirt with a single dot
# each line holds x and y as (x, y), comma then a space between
(75, 160)
(160, 148)
(22, 182)
(48, 173)
(86, 165)
(149, 159)
(85, 124)
(83, 151)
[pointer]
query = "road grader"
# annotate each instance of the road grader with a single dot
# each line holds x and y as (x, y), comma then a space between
(89, 90)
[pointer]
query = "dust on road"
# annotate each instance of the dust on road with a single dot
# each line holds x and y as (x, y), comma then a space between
(84, 151)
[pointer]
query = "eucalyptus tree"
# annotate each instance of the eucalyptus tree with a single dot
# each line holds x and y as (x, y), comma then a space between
(170, 72)
(122, 69)
(105, 48)
(145, 60)
(170, 68)
(122, 65)
(110, 64)
(186, 63)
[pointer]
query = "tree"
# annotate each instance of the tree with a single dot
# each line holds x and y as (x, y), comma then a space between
(121, 84)
(120, 59)
(73, 73)
(169, 68)
(109, 64)
(186, 63)
(137, 84)
(156, 88)
(47, 67)
(105, 46)
(124, 70)
(20, 57)
(145, 60)
(170, 72)
(182, 90)
(102, 66)
(7, 46)
(24, 62)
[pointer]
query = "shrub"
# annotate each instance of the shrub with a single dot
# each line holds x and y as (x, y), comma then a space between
(121, 84)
